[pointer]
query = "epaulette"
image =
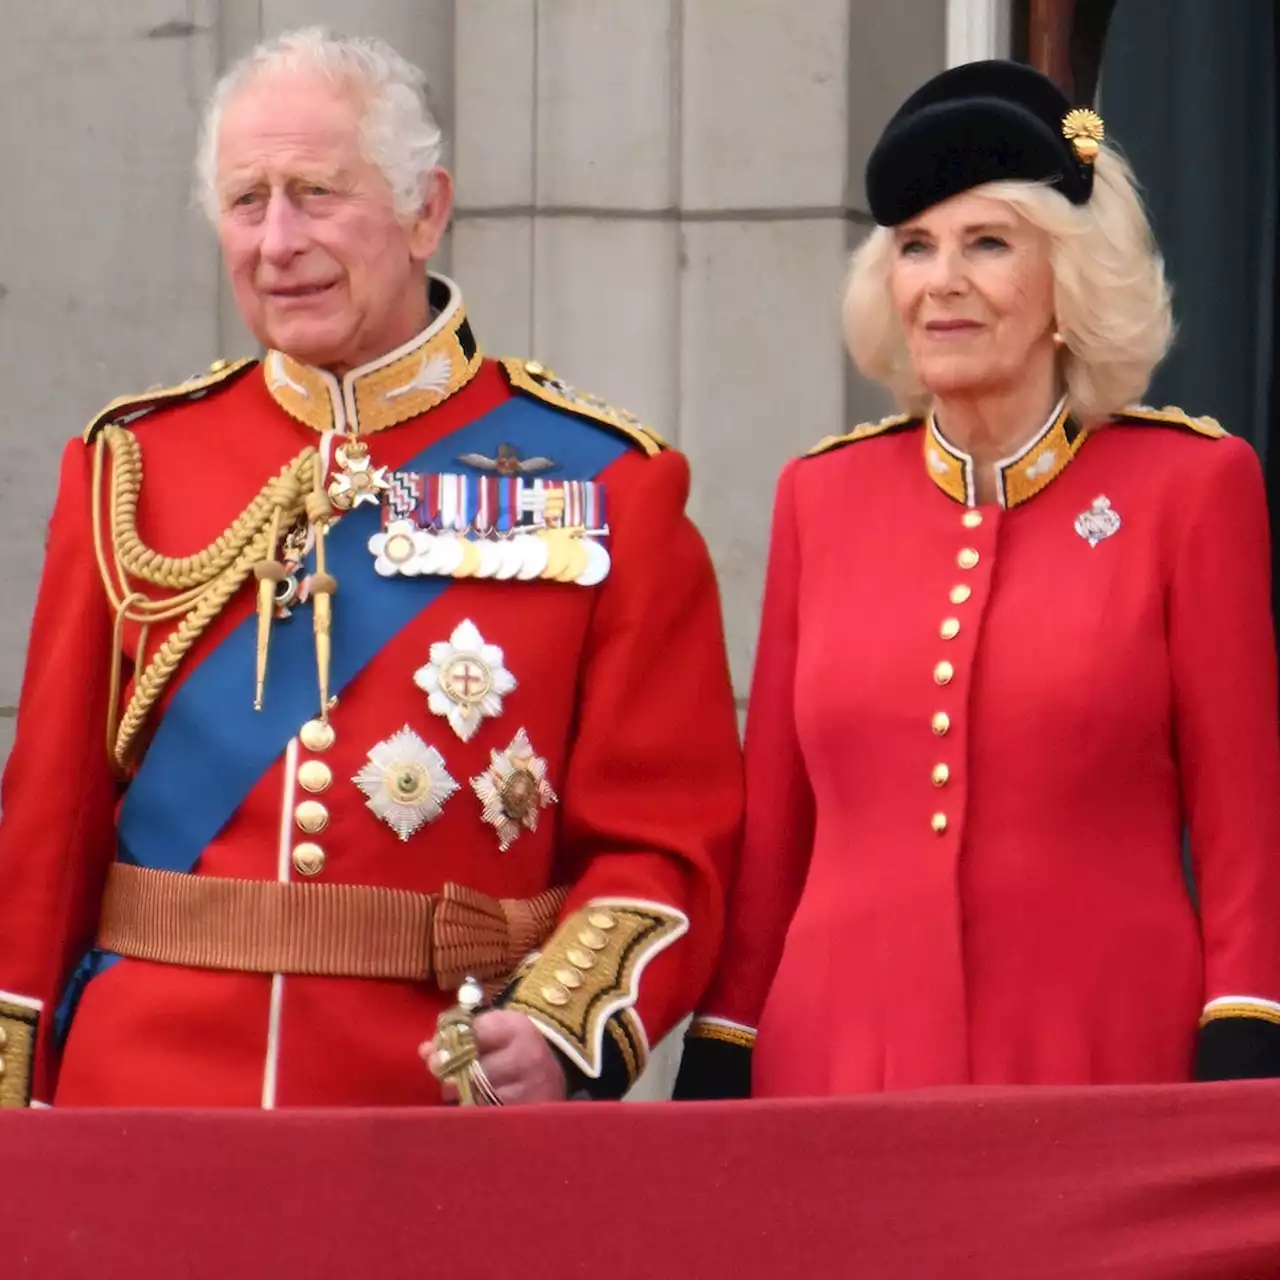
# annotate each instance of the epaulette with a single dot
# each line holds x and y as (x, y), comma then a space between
(1171, 416)
(864, 431)
(222, 373)
(538, 381)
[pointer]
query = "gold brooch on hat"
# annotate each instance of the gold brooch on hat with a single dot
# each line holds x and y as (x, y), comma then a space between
(1084, 130)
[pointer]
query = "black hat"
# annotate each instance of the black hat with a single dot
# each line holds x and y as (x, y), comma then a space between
(980, 122)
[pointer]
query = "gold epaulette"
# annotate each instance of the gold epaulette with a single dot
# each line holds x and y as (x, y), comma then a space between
(538, 381)
(864, 431)
(222, 373)
(1171, 416)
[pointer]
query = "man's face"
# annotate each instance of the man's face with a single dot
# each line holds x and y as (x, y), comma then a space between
(322, 267)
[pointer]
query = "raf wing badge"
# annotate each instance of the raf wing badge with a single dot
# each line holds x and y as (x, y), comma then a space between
(492, 526)
(508, 462)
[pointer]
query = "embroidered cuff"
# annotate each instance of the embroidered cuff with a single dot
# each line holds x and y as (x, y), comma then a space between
(716, 1062)
(1239, 1039)
(19, 1017)
(580, 990)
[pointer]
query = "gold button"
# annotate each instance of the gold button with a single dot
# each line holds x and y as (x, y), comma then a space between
(941, 774)
(1, 1066)
(943, 672)
(4, 1038)
(968, 558)
(315, 776)
(582, 959)
(971, 519)
(941, 724)
(939, 823)
(308, 859)
(534, 368)
(960, 594)
(317, 736)
(218, 365)
(311, 817)
(569, 978)
(556, 995)
(594, 939)
(950, 628)
(602, 920)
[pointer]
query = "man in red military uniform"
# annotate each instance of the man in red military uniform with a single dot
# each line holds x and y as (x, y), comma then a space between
(355, 672)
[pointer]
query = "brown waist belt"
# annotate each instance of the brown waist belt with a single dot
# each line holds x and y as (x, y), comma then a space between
(336, 930)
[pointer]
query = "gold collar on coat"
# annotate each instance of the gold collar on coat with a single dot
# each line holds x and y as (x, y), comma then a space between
(400, 385)
(1018, 479)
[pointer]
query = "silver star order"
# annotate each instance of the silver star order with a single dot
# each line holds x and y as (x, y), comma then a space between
(406, 782)
(465, 679)
(513, 790)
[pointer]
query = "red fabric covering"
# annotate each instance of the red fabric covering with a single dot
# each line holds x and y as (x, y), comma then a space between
(1146, 1183)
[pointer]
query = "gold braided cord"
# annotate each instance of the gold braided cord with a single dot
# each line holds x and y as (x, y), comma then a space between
(286, 491)
(202, 584)
(148, 687)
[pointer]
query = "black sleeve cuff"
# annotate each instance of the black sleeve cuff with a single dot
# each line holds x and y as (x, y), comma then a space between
(1238, 1049)
(612, 1083)
(712, 1069)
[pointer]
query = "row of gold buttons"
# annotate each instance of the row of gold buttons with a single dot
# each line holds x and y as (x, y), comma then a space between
(570, 977)
(945, 672)
(311, 817)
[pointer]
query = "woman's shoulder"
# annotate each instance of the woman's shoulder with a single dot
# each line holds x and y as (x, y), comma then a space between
(1174, 447)
(1172, 418)
(892, 425)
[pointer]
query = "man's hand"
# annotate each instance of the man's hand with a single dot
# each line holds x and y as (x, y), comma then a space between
(520, 1064)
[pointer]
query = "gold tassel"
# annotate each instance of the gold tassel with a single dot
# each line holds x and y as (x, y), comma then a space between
(323, 585)
(270, 573)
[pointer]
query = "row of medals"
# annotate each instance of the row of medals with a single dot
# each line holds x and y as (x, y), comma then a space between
(404, 548)
(556, 555)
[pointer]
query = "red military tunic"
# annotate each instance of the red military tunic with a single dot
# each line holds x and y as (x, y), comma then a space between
(975, 734)
(642, 756)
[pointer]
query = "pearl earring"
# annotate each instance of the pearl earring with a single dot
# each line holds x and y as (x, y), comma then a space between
(1059, 340)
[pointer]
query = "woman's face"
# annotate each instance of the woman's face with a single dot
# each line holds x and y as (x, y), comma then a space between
(972, 285)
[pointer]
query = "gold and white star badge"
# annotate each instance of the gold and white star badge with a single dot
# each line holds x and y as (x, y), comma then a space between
(406, 782)
(357, 480)
(465, 681)
(513, 790)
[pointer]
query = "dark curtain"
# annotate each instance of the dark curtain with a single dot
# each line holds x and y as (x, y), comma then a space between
(1188, 90)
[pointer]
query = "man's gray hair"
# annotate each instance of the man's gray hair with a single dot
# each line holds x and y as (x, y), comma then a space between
(398, 132)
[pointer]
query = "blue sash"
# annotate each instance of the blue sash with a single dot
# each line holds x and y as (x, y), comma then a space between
(211, 748)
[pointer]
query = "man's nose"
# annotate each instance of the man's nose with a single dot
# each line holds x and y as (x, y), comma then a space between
(282, 236)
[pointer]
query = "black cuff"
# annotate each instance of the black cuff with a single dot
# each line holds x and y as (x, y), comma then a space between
(713, 1069)
(613, 1081)
(1238, 1049)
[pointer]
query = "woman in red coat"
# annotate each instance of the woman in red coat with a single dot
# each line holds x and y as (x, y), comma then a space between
(1015, 643)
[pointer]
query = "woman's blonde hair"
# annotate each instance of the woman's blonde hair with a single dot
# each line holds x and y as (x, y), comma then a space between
(1111, 298)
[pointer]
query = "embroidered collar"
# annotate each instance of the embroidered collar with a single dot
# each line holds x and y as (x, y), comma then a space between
(405, 382)
(1019, 478)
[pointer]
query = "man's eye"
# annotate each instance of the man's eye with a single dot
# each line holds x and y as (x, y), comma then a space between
(243, 199)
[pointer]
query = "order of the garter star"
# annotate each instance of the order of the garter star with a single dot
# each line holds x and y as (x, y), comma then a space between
(465, 681)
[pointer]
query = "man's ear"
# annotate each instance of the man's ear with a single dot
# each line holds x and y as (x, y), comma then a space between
(428, 227)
